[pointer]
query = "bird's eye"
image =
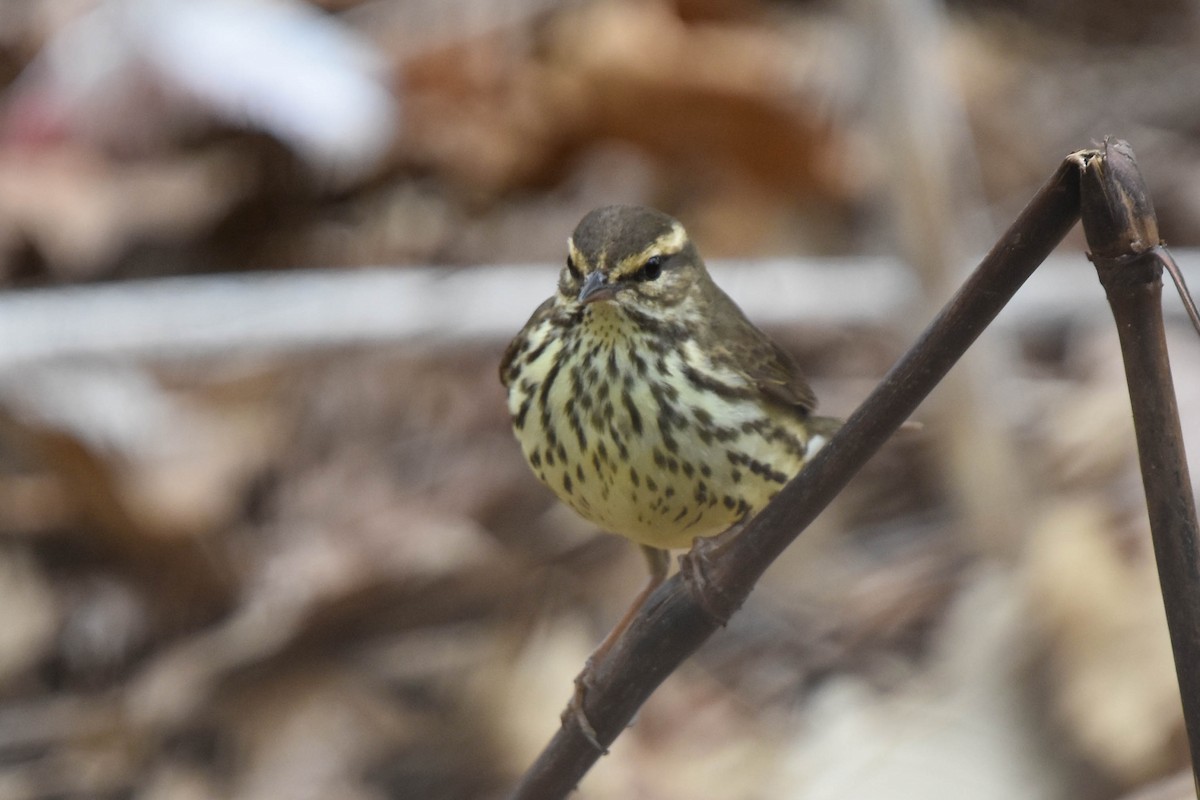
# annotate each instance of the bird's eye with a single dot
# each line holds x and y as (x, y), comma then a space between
(574, 270)
(651, 269)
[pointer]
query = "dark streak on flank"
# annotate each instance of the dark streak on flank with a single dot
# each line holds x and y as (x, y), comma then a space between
(537, 351)
(544, 394)
(635, 418)
(707, 384)
(519, 419)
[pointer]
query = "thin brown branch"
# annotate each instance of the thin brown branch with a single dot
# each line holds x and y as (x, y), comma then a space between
(1122, 234)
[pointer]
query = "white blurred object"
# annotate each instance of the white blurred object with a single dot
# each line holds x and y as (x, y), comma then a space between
(296, 310)
(132, 74)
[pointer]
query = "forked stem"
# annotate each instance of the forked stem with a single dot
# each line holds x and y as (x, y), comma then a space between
(673, 622)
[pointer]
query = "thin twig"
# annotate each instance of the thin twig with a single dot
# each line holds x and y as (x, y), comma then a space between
(1172, 268)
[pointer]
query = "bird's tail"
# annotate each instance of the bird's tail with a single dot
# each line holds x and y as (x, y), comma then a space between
(820, 431)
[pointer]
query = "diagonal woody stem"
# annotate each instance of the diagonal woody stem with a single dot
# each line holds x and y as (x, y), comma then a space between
(678, 617)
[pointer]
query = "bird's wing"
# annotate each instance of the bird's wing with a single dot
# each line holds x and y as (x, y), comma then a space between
(765, 364)
(775, 373)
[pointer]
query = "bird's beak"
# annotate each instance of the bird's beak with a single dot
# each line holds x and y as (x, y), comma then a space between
(595, 289)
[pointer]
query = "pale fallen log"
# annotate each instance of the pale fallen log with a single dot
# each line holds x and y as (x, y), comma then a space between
(281, 312)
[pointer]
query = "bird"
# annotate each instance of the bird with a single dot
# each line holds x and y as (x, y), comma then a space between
(642, 396)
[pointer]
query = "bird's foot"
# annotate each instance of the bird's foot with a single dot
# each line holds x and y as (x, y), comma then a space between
(696, 565)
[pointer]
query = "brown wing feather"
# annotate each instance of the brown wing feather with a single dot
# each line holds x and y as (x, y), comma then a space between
(514, 347)
(778, 377)
(753, 353)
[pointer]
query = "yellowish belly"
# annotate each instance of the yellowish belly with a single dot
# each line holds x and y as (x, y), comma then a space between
(622, 436)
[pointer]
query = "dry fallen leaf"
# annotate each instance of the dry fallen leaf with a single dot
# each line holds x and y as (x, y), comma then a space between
(1095, 604)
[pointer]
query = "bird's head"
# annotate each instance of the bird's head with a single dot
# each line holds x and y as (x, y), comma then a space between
(633, 257)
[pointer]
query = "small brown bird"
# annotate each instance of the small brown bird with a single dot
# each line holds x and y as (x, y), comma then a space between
(644, 398)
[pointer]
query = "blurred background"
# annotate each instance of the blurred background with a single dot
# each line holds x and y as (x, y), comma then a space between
(264, 530)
